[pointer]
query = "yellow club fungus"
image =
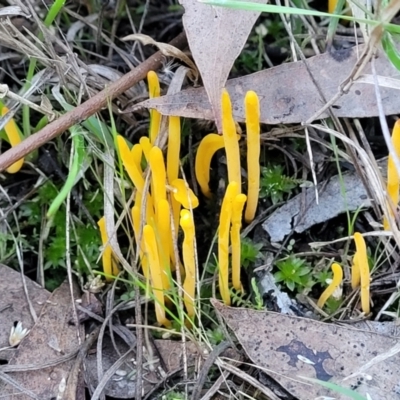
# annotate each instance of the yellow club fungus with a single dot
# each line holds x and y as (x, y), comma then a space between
(174, 148)
(392, 174)
(237, 210)
(188, 254)
(207, 148)
(14, 138)
(130, 164)
(252, 110)
(332, 6)
(223, 240)
(146, 146)
(336, 281)
(362, 262)
(110, 267)
(156, 272)
(163, 235)
(183, 194)
(231, 143)
(155, 116)
(136, 154)
(158, 174)
(355, 273)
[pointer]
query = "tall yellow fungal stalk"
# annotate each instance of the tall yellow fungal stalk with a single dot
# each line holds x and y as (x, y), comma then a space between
(14, 138)
(237, 210)
(109, 265)
(158, 174)
(173, 159)
(252, 110)
(156, 273)
(223, 240)
(163, 240)
(188, 254)
(155, 116)
(230, 141)
(392, 174)
(362, 262)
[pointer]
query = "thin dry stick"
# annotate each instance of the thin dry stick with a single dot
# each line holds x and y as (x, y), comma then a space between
(86, 109)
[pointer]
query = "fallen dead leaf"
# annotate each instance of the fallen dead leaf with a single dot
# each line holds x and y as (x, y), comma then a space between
(51, 337)
(288, 95)
(302, 211)
(14, 305)
(122, 384)
(288, 348)
(216, 37)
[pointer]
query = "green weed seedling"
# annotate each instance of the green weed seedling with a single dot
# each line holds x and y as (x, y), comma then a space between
(274, 184)
(294, 273)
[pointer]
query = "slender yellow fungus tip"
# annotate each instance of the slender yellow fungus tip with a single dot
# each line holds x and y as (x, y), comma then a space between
(362, 262)
(393, 184)
(14, 138)
(336, 281)
(188, 253)
(230, 141)
(223, 240)
(174, 148)
(155, 116)
(237, 210)
(158, 174)
(252, 111)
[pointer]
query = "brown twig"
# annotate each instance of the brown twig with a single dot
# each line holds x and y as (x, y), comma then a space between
(86, 109)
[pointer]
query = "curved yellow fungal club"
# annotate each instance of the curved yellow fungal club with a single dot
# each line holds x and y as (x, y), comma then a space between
(14, 138)
(208, 146)
(110, 267)
(155, 116)
(231, 144)
(237, 210)
(158, 174)
(134, 173)
(174, 148)
(362, 261)
(188, 253)
(336, 281)
(163, 235)
(183, 194)
(393, 184)
(252, 111)
(223, 240)
(156, 272)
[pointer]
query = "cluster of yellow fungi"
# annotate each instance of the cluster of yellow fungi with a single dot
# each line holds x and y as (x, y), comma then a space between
(360, 276)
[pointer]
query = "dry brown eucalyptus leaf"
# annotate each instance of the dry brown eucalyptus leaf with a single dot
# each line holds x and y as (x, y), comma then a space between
(288, 348)
(51, 337)
(216, 37)
(167, 50)
(288, 95)
(14, 306)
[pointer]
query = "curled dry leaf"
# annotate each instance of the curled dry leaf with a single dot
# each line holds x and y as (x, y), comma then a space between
(167, 50)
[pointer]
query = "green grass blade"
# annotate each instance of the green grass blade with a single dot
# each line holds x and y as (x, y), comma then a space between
(339, 389)
(390, 49)
(80, 162)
